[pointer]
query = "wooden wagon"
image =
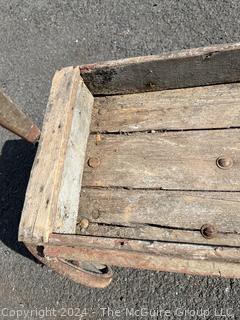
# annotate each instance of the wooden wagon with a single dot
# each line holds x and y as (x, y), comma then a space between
(138, 166)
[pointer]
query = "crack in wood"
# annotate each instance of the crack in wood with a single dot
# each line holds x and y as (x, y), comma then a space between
(157, 131)
(158, 189)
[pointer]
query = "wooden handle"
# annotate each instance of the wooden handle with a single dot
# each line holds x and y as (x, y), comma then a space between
(16, 121)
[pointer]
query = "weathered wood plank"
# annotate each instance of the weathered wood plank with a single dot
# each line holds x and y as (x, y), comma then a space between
(176, 209)
(160, 215)
(180, 69)
(68, 202)
(170, 160)
(188, 251)
(192, 259)
(215, 106)
(13, 119)
(41, 207)
(158, 233)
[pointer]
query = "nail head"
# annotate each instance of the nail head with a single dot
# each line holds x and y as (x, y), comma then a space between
(224, 162)
(208, 231)
(94, 162)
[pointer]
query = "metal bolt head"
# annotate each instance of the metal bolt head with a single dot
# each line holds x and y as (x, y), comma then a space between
(208, 231)
(94, 162)
(83, 224)
(224, 162)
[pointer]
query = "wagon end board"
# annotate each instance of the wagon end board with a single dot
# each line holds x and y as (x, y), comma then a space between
(52, 196)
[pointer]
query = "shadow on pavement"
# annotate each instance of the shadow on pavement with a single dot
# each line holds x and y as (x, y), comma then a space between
(16, 161)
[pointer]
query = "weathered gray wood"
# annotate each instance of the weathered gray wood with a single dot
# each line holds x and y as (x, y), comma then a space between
(176, 209)
(181, 69)
(68, 201)
(215, 106)
(170, 160)
(45, 206)
(159, 234)
(160, 215)
(13, 119)
(125, 174)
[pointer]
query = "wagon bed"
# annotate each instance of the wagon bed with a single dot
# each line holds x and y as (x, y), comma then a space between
(138, 165)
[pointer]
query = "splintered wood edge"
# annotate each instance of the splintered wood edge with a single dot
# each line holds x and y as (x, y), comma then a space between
(52, 197)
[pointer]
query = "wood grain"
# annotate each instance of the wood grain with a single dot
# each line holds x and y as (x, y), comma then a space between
(158, 233)
(155, 160)
(216, 106)
(170, 160)
(160, 215)
(187, 251)
(181, 69)
(68, 201)
(42, 198)
(145, 194)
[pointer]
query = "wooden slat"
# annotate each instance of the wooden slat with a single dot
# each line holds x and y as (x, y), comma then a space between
(159, 233)
(180, 69)
(215, 106)
(13, 119)
(161, 215)
(171, 160)
(193, 259)
(176, 209)
(187, 251)
(49, 175)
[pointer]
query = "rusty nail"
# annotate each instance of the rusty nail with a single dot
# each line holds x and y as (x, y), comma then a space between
(96, 214)
(84, 223)
(94, 162)
(208, 231)
(224, 162)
